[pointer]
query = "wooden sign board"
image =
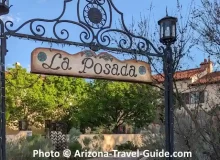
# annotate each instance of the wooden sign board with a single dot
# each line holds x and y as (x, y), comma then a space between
(87, 64)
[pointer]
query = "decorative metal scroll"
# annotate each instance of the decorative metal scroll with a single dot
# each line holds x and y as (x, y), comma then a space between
(95, 20)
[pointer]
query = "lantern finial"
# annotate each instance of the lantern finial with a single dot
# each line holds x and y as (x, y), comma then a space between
(166, 12)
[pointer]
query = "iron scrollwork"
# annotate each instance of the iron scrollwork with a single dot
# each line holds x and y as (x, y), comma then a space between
(94, 14)
(95, 20)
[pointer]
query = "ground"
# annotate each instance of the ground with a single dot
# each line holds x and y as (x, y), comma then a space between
(115, 159)
(143, 158)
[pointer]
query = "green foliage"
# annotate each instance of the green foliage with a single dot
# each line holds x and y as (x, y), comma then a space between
(100, 103)
(114, 103)
(73, 140)
(74, 134)
(97, 142)
(33, 97)
(103, 129)
(86, 141)
(24, 94)
(75, 146)
(128, 146)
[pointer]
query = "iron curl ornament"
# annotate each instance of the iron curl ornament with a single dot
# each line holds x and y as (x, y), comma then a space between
(95, 20)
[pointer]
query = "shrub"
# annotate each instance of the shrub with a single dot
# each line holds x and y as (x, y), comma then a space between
(97, 142)
(128, 146)
(22, 149)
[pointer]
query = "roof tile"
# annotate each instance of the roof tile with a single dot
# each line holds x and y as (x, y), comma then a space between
(213, 77)
(179, 75)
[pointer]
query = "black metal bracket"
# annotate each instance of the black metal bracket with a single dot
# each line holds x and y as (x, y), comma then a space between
(95, 19)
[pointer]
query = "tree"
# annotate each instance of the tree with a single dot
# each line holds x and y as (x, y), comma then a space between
(35, 98)
(63, 93)
(206, 23)
(181, 48)
(24, 98)
(111, 104)
(71, 94)
(198, 130)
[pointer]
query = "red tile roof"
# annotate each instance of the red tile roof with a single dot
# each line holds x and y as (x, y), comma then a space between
(213, 77)
(179, 75)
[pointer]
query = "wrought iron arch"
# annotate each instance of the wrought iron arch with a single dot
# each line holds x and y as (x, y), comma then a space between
(96, 23)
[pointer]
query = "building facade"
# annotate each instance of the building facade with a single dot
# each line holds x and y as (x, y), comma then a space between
(197, 89)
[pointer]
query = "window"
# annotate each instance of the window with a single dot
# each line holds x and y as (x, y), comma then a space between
(202, 97)
(193, 97)
(185, 97)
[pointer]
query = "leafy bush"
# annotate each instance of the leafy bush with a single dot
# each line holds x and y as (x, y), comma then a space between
(97, 142)
(74, 144)
(128, 146)
(74, 135)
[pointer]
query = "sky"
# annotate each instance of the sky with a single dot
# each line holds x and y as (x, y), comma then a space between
(23, 10)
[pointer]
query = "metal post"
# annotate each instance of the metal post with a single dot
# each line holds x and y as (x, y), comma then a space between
(2, 79)
(169, 121)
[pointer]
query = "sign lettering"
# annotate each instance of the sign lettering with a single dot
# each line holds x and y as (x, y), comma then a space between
(88, 64)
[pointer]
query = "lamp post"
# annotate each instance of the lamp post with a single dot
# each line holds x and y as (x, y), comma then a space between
(4, 7)
(168, 37)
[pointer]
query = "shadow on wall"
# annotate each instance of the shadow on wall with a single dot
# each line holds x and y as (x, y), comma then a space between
(111, 140)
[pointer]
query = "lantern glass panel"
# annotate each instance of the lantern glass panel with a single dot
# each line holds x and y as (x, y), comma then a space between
(173, 30)
(161, 30)
(7, 2)
(167, 29)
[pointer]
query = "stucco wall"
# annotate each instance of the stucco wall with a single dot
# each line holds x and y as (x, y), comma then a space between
(111, 140)
(14, 132)
(21, 134)
(212, 93)
(212, 96)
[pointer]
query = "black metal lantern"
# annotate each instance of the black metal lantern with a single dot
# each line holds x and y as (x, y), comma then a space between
(47, 124)
(4, 7)
(23, 125)
(167, 30)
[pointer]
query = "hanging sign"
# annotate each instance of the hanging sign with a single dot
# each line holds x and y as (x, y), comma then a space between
(88, 64)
